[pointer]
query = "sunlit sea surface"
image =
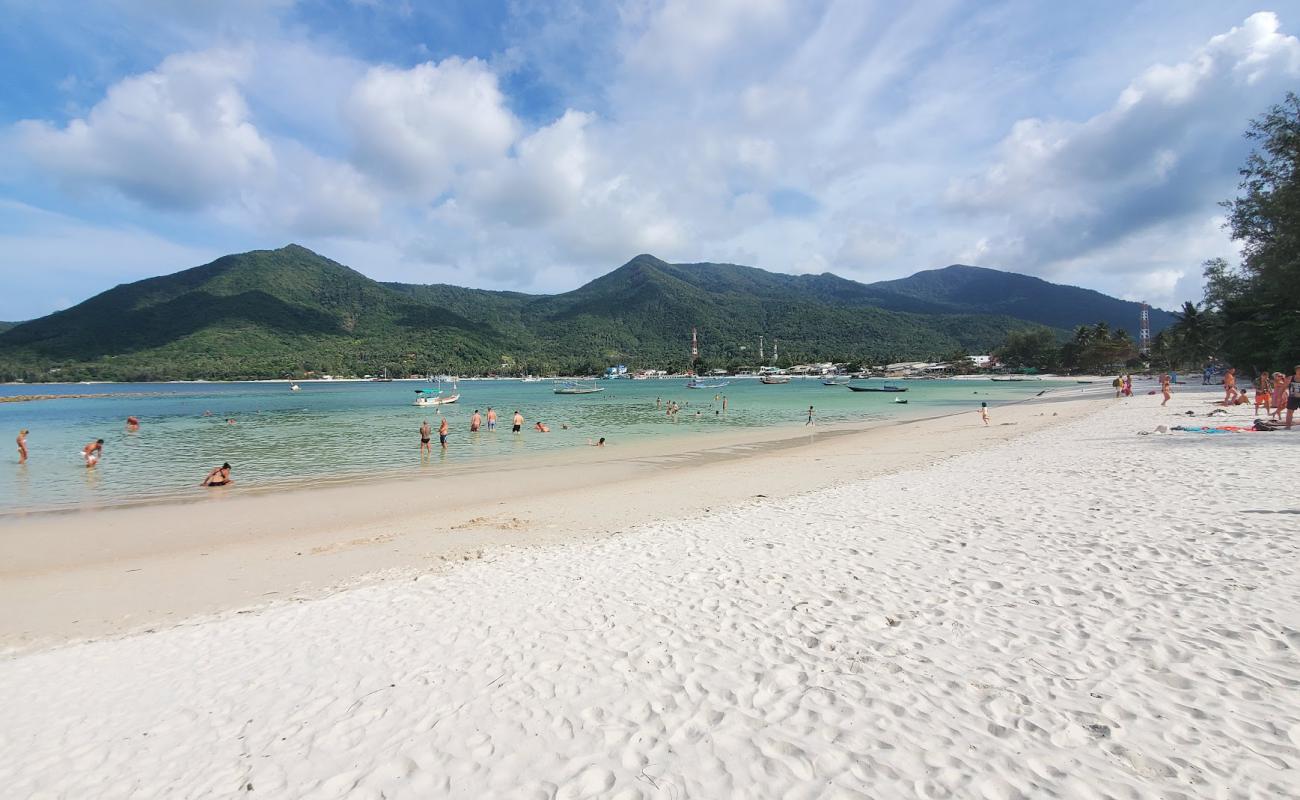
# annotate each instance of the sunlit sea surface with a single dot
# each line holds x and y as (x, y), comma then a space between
(342, 429)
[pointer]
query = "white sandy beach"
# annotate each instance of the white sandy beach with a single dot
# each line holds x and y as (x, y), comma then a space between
(1060, 610)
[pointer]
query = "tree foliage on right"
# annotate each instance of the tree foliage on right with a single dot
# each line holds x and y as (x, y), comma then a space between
(1258, 305)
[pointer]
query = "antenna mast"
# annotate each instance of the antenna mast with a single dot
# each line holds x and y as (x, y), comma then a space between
(1144, 331)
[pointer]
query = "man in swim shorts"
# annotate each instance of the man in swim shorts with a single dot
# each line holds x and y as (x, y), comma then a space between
(93, 452)
(425, 432)
(492, 419)
(475, 421)
(442, 433)
(518, 421)
(219, 476)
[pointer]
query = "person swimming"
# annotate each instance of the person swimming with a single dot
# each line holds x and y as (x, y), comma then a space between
(542, 427)
(133, 423)
(598, 443)
(219, 476)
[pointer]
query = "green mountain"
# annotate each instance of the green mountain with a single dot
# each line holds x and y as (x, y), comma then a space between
(4, 326)
(960, 289)
(272, 313)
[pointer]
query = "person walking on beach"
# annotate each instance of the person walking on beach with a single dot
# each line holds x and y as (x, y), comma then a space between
(425, 433)
(1293, 395)
(1279, 395)
(1128, 385)
(984, 412)
(219, 476)
(810, 416)
(1263, 393)
(1164, 389)
(492, 419)
(93, 452)
(22, 446)
(518, 422)
(474, 422)
(442, 433)
(1229, 386)
(1118, 383)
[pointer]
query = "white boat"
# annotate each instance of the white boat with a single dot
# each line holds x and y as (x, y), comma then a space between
(771, 379)
(531, 379)
(573, 387)
(696, 383)
(835, 381)
(425, 398)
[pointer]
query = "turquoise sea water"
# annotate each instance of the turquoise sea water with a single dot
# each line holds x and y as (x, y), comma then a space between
(350, 429)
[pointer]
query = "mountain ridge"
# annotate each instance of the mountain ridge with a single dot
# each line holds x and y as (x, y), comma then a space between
(290, 311)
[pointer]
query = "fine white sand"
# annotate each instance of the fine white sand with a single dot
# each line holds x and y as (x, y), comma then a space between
(1078, 612)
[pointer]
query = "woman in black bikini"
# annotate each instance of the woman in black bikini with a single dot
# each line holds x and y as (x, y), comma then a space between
(219, 476)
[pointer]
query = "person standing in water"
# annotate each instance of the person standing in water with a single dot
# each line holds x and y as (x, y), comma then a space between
(518, 422)
(425, 433)
(443, 427)
(93, 452)
(22, 446)
(984, 412)
(474, 422)
(1164, 389)
(492, 419)
(810, 416)
(724, 402)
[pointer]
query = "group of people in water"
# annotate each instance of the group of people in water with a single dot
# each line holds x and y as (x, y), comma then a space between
(1274, 392)
(476, 421)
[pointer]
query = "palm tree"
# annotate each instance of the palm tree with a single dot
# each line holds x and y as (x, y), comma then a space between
(1192, 330)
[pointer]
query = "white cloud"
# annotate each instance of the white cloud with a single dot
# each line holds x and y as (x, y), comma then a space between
(417, 128)
(1060, 188)
(176, 137)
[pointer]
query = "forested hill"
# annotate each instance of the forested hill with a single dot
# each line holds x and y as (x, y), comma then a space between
(960, 289)
(290, 312)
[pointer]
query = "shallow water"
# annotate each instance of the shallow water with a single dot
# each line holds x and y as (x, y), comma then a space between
(353, 429)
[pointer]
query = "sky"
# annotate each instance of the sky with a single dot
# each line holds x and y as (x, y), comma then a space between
(513, 144)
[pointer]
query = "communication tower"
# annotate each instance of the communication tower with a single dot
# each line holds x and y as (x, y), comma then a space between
(1144, 331)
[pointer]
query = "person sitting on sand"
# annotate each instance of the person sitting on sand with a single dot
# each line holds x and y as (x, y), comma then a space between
(132, 424)
(599, 443)
(219, 476)
(93, 452)
(22, 446)
(542, 427)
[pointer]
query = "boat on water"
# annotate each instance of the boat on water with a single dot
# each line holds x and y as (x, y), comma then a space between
(1014, 378)
(835, 381)
(697, 383)
(573, 387)
(425, 398)
(531, 379)
(886, 388)
(772, 379)
(293, 387)
(900, 400)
